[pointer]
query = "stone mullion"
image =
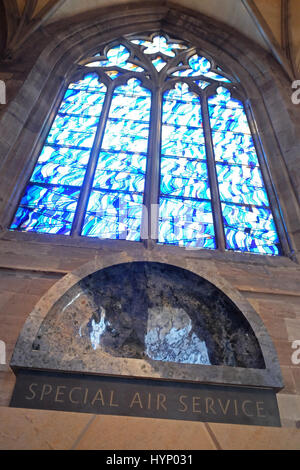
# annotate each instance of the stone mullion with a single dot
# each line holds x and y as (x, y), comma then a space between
(152, 185)
(213, 179)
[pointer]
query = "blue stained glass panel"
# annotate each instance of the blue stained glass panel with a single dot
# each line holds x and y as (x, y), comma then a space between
(241, 184)
(124, 142)
(182, 93)
(134, 108)
(228, 119)
(182, 149)
(122, 133)
(89, 83)
(159, 45)
(250, 229)
(182, 167)
(186, 223)
(56, 197)
(44, 221)
(199, 65)
(185, 178)
(183, 134)
(105, 202)
(120, 181)
(223, 98)
(243, 193)
(234, 148)
(219, 78)
(113, 74)
(80, 102)
(117, 56)
(46, 210)
(181, 113)
(73, 131)
(159, 63)
(185, 187)
(132, 88)
(227, 114)
(114, 216)
(117, 161)
(242, 174)
(238, 240)
(53, 173)
(190, 210)
(125, 136)
(249, 218)
(61, 166)
(64, 156)
(124, 127)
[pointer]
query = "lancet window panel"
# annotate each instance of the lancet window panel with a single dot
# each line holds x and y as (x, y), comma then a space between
(152, 132)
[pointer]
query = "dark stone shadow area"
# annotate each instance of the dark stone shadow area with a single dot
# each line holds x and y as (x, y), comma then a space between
(147, 310)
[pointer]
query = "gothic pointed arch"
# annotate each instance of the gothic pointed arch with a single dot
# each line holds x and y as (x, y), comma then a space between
(250, 72)
(153, 140)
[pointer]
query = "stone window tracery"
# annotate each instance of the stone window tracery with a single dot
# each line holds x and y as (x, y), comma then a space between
(152, 140)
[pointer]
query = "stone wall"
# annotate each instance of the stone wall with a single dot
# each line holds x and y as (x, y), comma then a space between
(30, 265)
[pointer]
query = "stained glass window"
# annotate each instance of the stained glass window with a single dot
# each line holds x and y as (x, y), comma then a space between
(152, 122)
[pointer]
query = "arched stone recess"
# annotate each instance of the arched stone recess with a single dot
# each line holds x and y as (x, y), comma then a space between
(266, 86)
(149, 317)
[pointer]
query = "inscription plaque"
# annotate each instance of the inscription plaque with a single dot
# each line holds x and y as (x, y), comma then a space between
(145, 398)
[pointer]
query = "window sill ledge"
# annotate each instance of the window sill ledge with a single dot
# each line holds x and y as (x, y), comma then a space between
(96, 244)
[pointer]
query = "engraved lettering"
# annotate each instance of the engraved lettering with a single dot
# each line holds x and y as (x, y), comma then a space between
(224, 409)
(181, 398)
(86, 396)
(71, 395)
(32, 391)
(111, 403)
(209, 405)
(149, 401)
(161, 400)
(260, 409)
(244, 404)
(136, 401)
(183, 401)
(58, 393)
(196, 404)
(98, 397)
(46, 390)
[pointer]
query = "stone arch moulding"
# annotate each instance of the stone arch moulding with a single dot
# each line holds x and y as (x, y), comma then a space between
(29, 114)
(61, 355)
